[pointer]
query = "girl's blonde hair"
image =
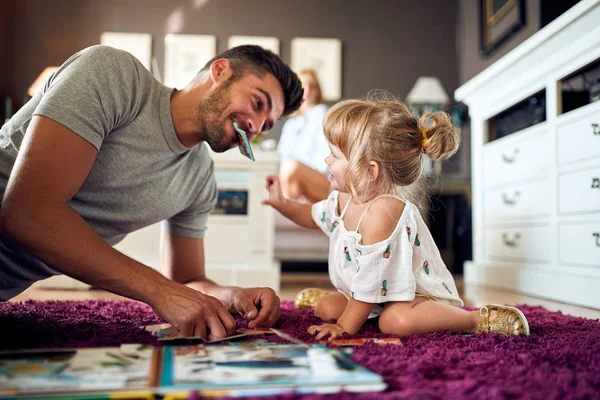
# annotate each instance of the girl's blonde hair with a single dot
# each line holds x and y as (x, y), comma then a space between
(386, 131)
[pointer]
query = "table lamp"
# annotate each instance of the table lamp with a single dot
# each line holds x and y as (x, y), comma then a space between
(427, 94)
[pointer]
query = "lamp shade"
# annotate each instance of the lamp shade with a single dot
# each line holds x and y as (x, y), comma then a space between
(41, 80)
(427, 90)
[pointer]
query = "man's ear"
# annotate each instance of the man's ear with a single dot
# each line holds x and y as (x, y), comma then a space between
(375, 170)
(220, 70)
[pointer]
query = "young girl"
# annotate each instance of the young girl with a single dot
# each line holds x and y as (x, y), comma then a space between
(382, 258)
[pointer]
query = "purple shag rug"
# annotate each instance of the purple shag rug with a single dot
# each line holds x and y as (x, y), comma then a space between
(559, 360)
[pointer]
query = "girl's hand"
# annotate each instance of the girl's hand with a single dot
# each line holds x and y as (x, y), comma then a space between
(276, 198)
(331, 330)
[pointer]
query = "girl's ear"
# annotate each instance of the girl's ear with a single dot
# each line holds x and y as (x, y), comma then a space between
(375, 170)
(220, 70)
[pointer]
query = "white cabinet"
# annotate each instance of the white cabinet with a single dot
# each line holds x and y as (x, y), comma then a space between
(240, 247)
(514, 158)
(579, 191)
(536, 191)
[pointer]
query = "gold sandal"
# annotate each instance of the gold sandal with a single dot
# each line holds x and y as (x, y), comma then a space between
(308, 298)
(509, 321)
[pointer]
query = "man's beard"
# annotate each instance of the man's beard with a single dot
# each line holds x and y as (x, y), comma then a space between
(212, 115)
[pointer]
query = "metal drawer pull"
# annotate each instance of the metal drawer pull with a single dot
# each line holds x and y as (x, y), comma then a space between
(511, 243)
(511, 202)
(595, 183)
(512, 159)
(596, 128)
(597, 236)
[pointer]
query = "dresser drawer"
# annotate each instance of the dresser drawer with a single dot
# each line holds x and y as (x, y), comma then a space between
(579, 139)
(514, 158)
(528, 199)
(579, 191)
(519, 242)
(579, 243)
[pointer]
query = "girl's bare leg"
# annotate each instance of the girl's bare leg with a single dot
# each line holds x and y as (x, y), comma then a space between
(423, 316)
(331, 306)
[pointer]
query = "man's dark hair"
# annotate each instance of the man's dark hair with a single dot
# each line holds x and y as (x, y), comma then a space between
(255, 59)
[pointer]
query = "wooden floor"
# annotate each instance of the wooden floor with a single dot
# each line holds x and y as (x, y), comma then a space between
(291, 284)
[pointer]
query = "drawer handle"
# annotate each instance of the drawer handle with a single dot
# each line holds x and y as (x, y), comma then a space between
(597, 236)
(508, 159)
(595, 183)
(513, 242)
(596, 128)
(511, 202)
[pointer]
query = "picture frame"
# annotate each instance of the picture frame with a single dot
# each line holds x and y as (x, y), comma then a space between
(266, 42)
(325, 57)
(185, 56)
(499, 20)
(138, 44)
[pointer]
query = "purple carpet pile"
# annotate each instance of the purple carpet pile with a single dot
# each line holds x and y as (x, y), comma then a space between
(560, 360)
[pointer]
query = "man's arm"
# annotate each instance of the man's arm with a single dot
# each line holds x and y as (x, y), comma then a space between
(52, 165)
(183, 261)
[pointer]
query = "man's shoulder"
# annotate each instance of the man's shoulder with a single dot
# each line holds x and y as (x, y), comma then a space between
(101, 50)
(108, 60)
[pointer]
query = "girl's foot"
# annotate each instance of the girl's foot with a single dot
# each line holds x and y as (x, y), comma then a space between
(507, 320)
(308, 298)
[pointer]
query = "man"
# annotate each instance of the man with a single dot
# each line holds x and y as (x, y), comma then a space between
(104, 149)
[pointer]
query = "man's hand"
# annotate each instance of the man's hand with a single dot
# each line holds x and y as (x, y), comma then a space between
(260, 306)
(193, 313)
(322, 331)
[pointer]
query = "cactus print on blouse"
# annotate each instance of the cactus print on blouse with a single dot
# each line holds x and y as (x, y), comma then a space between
(393, 269)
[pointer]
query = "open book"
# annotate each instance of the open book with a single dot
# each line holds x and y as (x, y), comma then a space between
(250, 368)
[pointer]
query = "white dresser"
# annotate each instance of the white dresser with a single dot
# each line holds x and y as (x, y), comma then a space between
(536, 191)
(239, 246)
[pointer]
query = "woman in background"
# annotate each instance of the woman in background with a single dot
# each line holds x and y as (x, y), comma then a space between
(303, 147)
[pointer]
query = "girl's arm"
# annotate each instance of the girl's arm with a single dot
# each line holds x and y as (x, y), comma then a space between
(298, 213)
(353, 318)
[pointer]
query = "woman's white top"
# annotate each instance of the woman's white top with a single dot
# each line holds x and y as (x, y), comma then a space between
(302, 139)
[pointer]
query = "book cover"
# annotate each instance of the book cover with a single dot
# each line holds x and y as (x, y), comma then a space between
(255, 367)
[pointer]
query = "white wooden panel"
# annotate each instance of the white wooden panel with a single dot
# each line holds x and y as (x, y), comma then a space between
(579, 136)
(546, 252)
(143, 246)
(227, 241)
(517, 157)
(579, 243)
(526, 200)
(519, 242)
(558, 284)
(579, 191)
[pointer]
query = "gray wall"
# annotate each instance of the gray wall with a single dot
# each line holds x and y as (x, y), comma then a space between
(5, 49)
(386, 44)
(470, 63)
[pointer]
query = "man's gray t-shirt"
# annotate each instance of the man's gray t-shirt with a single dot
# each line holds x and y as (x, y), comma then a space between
(142, 173)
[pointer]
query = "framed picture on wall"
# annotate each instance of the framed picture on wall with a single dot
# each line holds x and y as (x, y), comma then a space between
(325, 57)
(499, 20)
(138, 44)
(185, 55)
(266, 42)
